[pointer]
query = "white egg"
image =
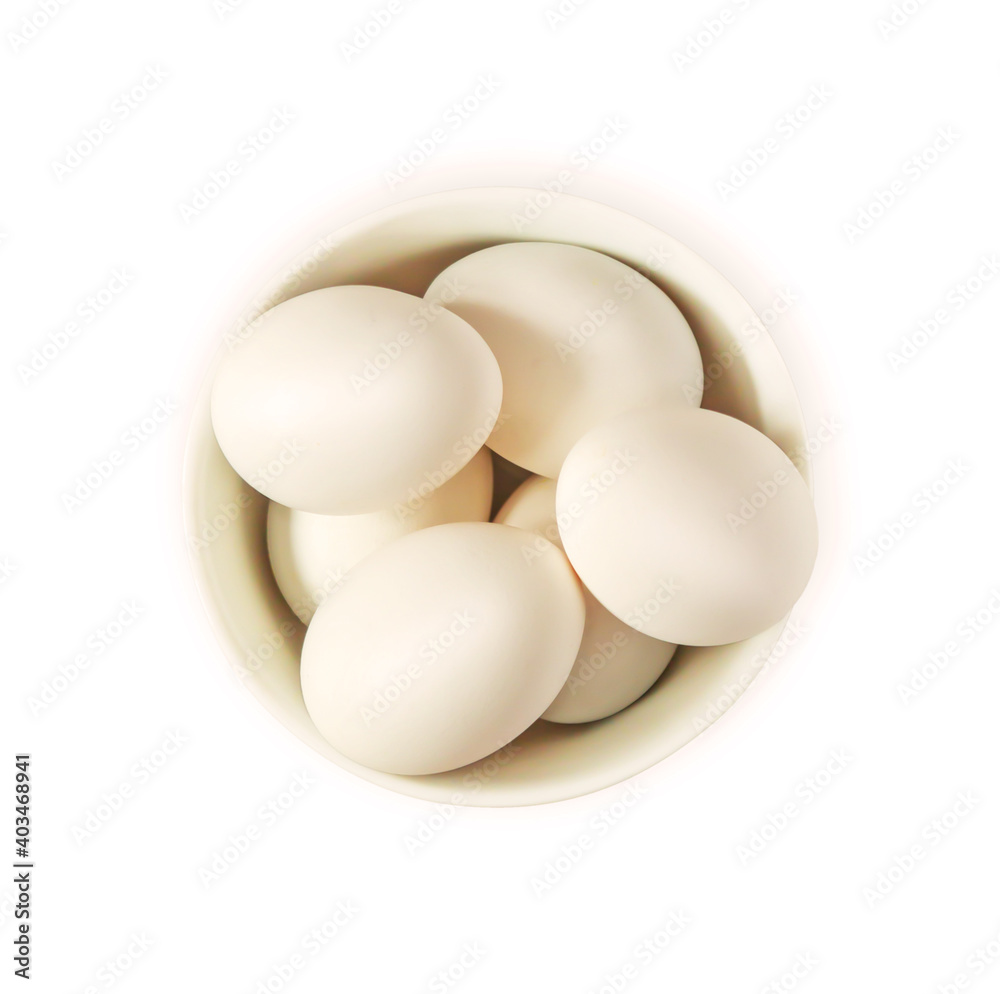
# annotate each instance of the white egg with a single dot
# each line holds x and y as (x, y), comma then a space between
(442, 647)
(690, 526)
(616, 665)
(580, 337)
(343, 399)
(311, 553)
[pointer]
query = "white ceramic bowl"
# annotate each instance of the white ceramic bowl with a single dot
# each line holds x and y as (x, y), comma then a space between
(404, 247)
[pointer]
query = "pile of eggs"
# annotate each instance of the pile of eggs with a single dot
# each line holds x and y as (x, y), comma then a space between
(386, 428)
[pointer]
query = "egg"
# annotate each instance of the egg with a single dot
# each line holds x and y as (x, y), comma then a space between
(442, 647)
(616, 665)
(311, 553)
(690, 526)
(342, 400)
(580, 337)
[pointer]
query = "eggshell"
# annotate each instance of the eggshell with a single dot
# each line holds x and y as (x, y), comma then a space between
(343, 399)
(580, 337)
(442, 646)
(311, 553)
(690, 526)
(616, 664)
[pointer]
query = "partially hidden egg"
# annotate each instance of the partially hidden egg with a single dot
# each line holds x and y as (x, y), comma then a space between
(341, 400)
(311, 553)
(442, 647)
(616, 664)
(580, 337)
(689, 525)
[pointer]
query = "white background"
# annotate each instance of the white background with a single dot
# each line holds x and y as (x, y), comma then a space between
(811, 895)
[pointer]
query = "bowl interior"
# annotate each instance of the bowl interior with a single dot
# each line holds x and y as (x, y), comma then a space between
(404, 247)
